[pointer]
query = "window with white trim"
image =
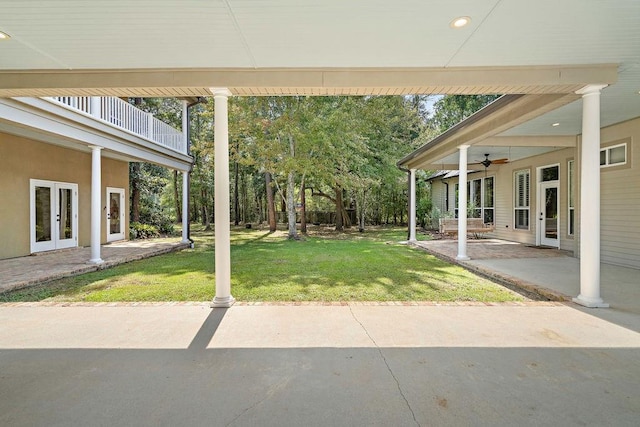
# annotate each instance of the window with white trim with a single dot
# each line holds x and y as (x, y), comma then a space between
(480, 199)
(571, 198)
(521, 198)
(613, 156)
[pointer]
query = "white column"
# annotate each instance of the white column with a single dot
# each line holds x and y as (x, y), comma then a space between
(185, 207)
(96, 204)
(412, 205)
(462, 204)
(590, 199)
(222, 227)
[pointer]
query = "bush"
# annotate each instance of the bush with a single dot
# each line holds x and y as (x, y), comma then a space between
(143, 231)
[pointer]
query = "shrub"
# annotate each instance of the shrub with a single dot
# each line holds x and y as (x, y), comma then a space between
(142, 231)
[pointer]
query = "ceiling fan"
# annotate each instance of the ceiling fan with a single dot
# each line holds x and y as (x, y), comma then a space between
(486, 162)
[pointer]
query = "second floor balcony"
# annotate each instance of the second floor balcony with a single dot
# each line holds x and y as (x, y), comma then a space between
(125, 116)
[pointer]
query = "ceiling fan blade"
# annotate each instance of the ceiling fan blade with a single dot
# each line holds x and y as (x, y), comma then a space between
(500, 161)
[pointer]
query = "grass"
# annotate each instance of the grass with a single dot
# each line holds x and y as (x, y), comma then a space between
(325, 266)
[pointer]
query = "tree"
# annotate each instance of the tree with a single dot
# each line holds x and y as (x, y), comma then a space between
(452, 109)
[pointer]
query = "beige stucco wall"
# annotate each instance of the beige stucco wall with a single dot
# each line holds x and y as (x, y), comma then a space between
(23, 159)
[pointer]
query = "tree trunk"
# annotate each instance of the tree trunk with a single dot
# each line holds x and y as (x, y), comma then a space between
(236, 204)
(303, 210)
(339, 217)
(271, 207)
(363, 207)
(135, 192)
(206, 221)
(291, 206)
(176, 197)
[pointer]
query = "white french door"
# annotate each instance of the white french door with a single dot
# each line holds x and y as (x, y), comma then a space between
(115, 214)
(54, 215)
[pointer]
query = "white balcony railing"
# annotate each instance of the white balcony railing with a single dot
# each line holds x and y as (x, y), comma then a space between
(125, 116)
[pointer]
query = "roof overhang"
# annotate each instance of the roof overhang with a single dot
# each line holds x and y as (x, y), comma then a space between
(481, 129)
(306, 81)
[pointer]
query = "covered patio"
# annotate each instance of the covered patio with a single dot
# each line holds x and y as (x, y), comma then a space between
(550, 273)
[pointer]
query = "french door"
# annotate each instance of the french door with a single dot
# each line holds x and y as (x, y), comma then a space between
(115, 214)
(54, 215)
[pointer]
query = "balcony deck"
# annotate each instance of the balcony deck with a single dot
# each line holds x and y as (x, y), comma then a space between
(125, 116)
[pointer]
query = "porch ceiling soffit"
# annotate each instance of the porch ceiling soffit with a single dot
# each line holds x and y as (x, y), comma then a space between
(305, 81)
(504, 113)
(42, 121)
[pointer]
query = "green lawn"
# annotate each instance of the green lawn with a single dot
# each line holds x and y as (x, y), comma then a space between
(325, 266)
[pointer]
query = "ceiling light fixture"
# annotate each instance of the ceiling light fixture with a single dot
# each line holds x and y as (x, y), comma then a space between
(555, 124)
(4, 36)
(460, 22)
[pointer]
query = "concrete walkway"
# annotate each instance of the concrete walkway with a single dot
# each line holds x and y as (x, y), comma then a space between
(351, 365)
(551, 273)
(16, 273)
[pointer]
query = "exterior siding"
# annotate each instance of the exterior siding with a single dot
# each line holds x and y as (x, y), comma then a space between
(620, 199)
(23, 159)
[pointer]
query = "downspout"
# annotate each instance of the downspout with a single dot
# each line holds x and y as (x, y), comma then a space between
(199, 100)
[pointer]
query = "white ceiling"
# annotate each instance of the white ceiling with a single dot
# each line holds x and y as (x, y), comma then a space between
(49, 37)
(81, 34)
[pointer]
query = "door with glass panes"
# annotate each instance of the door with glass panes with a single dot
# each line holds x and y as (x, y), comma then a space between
(115, 214)
(54, 215)
(549, 206)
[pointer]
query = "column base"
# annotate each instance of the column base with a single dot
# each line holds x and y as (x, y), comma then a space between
(590, 302)
(223, 302)
(96, 261)
(463, 258)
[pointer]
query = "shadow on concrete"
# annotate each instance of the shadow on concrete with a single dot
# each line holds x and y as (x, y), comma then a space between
(208, 329)
(320, 386)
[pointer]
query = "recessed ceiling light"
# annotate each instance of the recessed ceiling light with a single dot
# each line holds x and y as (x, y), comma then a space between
(555, 124)
(460, 22)
(4, 36)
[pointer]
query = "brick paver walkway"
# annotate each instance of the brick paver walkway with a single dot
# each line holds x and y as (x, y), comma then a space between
(17, 273)
(490, 249)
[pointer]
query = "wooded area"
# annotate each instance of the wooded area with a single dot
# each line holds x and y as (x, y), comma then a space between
(327, 160)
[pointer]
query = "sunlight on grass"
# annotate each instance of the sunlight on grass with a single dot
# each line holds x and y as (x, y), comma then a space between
(324, 266)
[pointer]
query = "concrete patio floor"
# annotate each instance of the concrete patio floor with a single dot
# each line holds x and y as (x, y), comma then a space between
(551, 273)
(537, 363)
(349, 364)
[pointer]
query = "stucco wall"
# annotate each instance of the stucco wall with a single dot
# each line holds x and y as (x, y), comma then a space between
(21, 160)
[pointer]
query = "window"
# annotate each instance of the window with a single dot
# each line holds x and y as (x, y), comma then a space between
(455, 211)
(487, 205)
(614, 155)
(480, 199)
(521, 199)
(551, 173)
(570, 195)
